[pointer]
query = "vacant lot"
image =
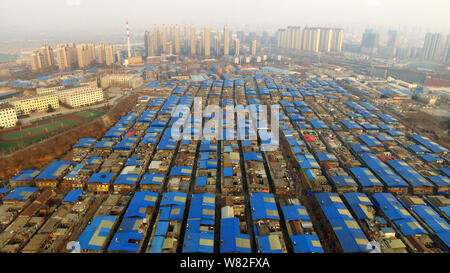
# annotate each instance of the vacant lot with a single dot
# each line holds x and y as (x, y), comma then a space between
(435, 127)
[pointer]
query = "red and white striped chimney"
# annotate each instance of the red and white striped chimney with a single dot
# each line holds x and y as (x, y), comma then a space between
(128, 42)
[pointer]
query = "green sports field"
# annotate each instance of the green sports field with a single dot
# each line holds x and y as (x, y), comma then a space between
(41, 129)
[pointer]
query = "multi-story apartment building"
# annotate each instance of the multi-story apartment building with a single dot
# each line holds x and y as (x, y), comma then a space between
(66, 56)
(176, 38)
(446, 52)
(310, 39)
(36, 63)
(48, 90)
(216, 45)
(105, 54)
(337, 38)
(38, 103)
(369, 42)
(148, 43)
(164, 38)
(118, 56)
(129, 80)
(226, 40)
(393, 38)
(85, 55)
(193, 40)
(81, 96)
(253, 48)
(433, 47)
(186, 39)
(109, 55)
(43, 60)
(8, 116)
(101, 54)
(325, 40)
(206, 42)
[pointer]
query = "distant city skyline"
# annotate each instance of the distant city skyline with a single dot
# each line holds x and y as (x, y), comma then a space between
(31, 18)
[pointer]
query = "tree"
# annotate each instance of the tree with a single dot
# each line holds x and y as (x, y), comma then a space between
(44, 152)
(50, 109)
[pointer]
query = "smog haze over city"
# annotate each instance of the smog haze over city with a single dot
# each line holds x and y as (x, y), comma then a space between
(224, 127)
(20, 17)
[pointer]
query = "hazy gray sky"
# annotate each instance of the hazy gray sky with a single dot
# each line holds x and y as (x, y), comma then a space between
(110, 15)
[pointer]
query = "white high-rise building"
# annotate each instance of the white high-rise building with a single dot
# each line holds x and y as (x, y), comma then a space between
(177, 39)
(325, 40)
(216, 46)
(236, 47)
(206, 42)
(226, 41)
(311, 39)
(253, 48)
(109, 55)
(43, 60)
(433, 47)
(101, 54)
(66, 56)
(193, 40)
(85, 55)
(186, 39)
(148, 44)
(336, 41)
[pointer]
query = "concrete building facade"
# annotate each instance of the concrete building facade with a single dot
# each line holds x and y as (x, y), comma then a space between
(38, 103)
(8, 116)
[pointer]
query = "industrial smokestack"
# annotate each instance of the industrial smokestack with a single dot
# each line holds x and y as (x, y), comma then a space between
(128, 42)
